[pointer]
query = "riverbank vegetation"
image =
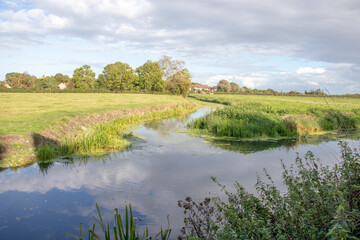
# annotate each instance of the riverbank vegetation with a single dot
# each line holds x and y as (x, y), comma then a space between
(276, 117)
(124, 228)
(320, 203)
(105, 137)
(44, 126)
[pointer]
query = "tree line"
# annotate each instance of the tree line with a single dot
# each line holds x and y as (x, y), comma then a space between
(224, 86)
(165, 75)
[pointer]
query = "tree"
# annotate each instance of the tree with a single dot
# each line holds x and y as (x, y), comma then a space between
(84, 77)
(60, 78)
(234, 87)
(119, 76)
(224, 86)
(180, 82)
(20, 80)
(47, 82)
(170, 66)
(100, 82)
(150, 76)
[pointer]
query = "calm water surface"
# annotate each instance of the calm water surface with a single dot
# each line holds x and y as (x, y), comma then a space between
(163, 166)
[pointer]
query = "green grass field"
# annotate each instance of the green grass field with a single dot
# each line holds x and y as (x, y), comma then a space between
(44, 126)
(22, 113)
(290, 104)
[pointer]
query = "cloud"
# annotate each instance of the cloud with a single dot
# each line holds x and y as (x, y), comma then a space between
(334, 79)
(304, 70)
(324, 32)
(213, 34)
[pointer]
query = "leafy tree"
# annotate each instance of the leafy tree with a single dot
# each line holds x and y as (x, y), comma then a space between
(60, 78)
(100, 82)
(234, 87)
(150, 76)
(119, 76)
(170, 66)
(47, 82)
(84, 77)
(20, 80)
(179, 83)
(224, 86)
(294, 93)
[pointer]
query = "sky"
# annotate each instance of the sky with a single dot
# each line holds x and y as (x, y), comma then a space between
(279, 44)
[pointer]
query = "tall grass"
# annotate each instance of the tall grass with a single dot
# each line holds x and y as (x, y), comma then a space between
(253, 119)
(105, 137)
(244, 122)
(123, 228)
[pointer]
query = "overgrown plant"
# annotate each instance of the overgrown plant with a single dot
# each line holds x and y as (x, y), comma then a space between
(123, 228)
(320, 203)
(200, 221)
(246, 121)
(264, 116)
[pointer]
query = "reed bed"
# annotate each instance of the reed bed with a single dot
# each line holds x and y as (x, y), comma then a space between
(250, 118)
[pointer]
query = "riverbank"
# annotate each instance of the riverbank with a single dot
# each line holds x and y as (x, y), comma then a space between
(69, 134)
(247, 117)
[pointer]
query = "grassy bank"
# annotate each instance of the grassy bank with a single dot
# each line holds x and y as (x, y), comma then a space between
(105, 137)
(22, 113)
(274, 116)
(44, 126)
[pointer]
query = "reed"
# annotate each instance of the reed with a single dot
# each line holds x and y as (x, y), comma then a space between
(244, 122)
(249, 117)
(123, 228)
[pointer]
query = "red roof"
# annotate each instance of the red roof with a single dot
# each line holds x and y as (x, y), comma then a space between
(200, 86)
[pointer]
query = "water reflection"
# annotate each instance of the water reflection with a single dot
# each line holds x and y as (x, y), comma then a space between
(162, 167)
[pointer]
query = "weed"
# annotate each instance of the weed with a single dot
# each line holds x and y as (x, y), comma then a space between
(320, 203)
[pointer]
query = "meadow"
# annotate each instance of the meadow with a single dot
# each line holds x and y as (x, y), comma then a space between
(43, 126)
(277, 116)
(22, 113)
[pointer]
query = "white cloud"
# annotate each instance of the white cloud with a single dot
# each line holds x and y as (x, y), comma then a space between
(98, 9)
(304, 70)
(232, 38)
(33, 21)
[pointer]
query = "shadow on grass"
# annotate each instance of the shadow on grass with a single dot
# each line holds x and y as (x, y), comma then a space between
(40, 140)
(2, 151)
(46, 150)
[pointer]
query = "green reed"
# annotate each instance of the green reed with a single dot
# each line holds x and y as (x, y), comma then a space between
(122, 229)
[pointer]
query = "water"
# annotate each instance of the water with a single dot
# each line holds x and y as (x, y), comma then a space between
(163, 166)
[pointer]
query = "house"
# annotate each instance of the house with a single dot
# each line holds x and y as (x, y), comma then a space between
(213, 89)
(203, 89)
(7, 85)
(200, 88)
(62, 86)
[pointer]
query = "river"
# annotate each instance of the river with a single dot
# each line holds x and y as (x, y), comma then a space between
(164, 165)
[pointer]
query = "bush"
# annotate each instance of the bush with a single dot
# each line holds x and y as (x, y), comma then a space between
(320, 203)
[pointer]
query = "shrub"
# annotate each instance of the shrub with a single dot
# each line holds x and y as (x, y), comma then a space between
(320, 203)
